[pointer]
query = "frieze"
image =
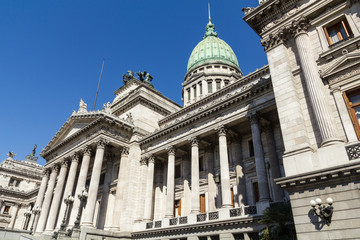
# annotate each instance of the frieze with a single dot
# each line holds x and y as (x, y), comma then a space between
(344, 74)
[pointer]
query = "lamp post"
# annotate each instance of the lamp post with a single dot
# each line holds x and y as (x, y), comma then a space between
(35, 211)
(324, 212)
(82, 196)
(27, 215)
(69, 200)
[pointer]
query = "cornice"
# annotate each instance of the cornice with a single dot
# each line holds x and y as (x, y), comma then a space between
(196, 228)
(27, 173)
(18, 194)
(328, 176)
(100, 120)
(213, 107)
(252, 76)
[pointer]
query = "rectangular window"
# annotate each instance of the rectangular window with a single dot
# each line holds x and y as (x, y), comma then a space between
(201, 163)
(210, 90)
(202, 203)
(251, 148)
(338, 31)
(6, 210)
(352, 100)
(200, 89)
(256, 191)
(194, 87)
(177, 171)
(188, 91)
(218, 86)
(177, 208)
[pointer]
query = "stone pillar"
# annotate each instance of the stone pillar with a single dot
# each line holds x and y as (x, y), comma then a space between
(198, 86)
(241, 196)
(195, 178)
(186, 200)
(274, 162)
(121, 184)
(94, 184)
(204, 87)
(105, 191)
(41, 194)
(14, 215)
(149, 189)
(56, 201)
(69, 187)
(80, 183)
(344, 115)
(224, 168)
(209, 158)
(213, 85)
(259, 159)
(170, 183)
(47, 200)
(142, 189)
(109, 210)
(314, 85)
(192, 99)
(186, 97)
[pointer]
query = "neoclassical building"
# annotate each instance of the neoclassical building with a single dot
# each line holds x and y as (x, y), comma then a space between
(146, 168)
(19, 184)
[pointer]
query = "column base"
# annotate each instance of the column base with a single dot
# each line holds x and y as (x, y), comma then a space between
(147, 220)
(331, 141)
(114, 229)
(195, 212)
(226, 206)
(87, 225)
(169, 216)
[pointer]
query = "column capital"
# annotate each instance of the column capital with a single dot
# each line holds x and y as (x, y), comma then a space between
(221, 130)
(253, 117)
(102, 143)
(65, 163)
(75, 157)
(125, 151)
(171, 150)
(194, 141)
(46, 172)
(55, 168)
(143, 161)
(299, 26)
(151, 159)
(87, 150)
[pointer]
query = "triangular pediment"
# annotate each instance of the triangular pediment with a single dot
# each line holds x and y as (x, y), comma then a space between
(346, 62)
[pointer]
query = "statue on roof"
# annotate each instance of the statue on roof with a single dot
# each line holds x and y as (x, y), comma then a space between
(145, 77)
(11, 154)
(127, 78)
(82, 106)
(33, 151)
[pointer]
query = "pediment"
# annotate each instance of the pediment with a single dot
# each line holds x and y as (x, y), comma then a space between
(343, 64)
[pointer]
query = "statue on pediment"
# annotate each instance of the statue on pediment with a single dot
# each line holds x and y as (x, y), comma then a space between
(107, 107)
(34, 150)
(82, 106)
(128, 77)
(11, 154)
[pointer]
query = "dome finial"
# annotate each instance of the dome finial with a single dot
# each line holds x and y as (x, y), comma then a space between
(209, 13)
(210, 28)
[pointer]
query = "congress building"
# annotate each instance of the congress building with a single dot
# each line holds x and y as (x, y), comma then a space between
(147, 168)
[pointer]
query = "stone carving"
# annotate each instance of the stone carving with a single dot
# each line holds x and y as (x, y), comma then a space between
(247, 10)
(151, 159)
(194, 141)
(11, 154)
(221, 130)
(129, 118)
(171, 150)
(253, 117)
(125, 151)
(65, 163)
(46, 172)
(102, 143)
(107, 108)
(87, 150)
(75, 158)
(82, 107)
(143, 161)
(56, 168)
(353, 151)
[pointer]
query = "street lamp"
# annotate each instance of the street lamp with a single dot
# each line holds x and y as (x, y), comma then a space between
(35, 211)
(324, 212)
(69, 200)
(82, 196)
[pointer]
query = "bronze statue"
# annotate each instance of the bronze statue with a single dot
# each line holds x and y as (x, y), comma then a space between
(128, 77)
(34, 150)
(11, 154)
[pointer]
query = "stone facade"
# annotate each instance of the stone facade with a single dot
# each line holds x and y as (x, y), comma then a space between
(19, 185)
(146, 168)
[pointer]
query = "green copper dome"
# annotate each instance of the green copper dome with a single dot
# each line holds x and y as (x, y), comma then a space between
(211, 50)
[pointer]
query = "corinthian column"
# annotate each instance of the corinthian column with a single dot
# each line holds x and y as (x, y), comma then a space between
(314, 84)
(149, 189)
(259, 159)
(40, 197)
(121, 184)
(69, 187)
(55, 204)
(170, 183)
(94, 185)
(80, 183)
(224, 168)
(47, 200)
(195, 192)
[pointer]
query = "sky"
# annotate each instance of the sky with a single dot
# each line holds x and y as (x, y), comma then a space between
(52, 51)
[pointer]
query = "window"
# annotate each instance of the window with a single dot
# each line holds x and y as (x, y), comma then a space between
(188, 92)
(232, 197)
(256, 191)
(251, 148)
(200, 88)
(14, 182)
(338, 31)
(177, 208)
(352, 100)
(6, 210)
(202, 203)
(209, 83)
(177, 171)
(218, 86)
(226, 82)
(194, 87)
(201, 163)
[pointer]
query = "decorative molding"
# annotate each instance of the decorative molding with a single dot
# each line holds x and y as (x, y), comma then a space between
(353, 151)
(221, 130)
(151, 159)
(87, 150)
(75, 157)
(194, 141)
(65, 163)
(55, 168)
(143, 161)
(171, 150)
(102, 143)
(125, 151)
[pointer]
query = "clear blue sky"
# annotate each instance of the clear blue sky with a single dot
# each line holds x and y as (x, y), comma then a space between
(51, 54)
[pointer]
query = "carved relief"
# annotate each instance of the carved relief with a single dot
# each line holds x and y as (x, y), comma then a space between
(125, 151)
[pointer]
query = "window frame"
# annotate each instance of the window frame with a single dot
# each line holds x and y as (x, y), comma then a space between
(350, 107)
(337, 24)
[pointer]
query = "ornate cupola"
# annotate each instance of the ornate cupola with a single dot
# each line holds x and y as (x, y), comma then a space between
(212, 65)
